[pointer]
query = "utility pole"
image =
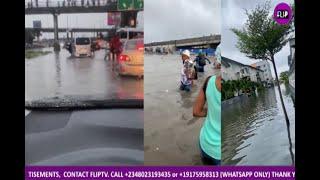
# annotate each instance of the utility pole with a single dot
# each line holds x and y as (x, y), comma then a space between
(56, 31)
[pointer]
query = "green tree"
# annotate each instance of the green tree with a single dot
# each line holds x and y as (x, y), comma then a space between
(261, 38)
(284, 77)
(29, 36)
(37, 33)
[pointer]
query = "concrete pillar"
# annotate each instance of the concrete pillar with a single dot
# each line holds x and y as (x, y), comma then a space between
(71, 34)
(56, 32)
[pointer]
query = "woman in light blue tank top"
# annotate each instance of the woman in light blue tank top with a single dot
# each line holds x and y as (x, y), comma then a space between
(210, 133)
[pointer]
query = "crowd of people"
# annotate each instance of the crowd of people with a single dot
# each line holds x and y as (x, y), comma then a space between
(210, 94)
(191, 68)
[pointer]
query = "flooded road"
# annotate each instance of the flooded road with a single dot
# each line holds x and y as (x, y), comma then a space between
(81, 137)
(59, 75)
(171, 132)
(254, 130)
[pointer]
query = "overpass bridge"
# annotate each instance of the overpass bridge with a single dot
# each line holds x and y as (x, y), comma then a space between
(75, 7)
(72, 30)
(51, 30)
(203, 42)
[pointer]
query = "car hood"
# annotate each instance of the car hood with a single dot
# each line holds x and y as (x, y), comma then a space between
(82, 102)
(84, 137)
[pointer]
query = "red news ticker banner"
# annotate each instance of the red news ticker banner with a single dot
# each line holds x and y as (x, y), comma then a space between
(159, 172)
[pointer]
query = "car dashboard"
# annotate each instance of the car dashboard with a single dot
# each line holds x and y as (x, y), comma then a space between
(84, 137)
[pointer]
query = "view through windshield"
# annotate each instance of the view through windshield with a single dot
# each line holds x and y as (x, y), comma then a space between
(56, 70)
(83, 106)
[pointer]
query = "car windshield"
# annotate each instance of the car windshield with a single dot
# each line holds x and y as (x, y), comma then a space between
(134, 44)
(132, 34)
(60, 79)
(82, 41)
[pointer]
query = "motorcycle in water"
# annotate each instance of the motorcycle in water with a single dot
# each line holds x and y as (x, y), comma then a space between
(68, 46)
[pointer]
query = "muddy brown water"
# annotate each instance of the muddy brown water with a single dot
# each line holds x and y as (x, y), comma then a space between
(171, 132)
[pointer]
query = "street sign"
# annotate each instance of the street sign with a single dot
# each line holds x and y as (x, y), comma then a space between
(37, 24)
(126, 5)
(138, 4)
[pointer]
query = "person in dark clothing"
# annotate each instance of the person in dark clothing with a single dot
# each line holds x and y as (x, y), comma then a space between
(69, 47)
(201, 62)
(115, 47)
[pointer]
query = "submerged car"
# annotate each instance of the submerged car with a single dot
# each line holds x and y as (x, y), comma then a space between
(130, 61)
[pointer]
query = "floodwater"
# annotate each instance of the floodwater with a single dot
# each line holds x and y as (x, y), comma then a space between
(59, 75)
(254, 130)
(171, 132)
(86, 137)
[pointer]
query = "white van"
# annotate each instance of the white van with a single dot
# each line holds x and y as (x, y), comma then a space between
(82, 47)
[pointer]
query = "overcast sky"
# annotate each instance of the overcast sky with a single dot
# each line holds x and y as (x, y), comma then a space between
(178, 19)
(233, 15)
(90, 20)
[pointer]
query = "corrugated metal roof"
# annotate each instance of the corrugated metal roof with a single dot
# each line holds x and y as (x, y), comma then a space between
(226, 62)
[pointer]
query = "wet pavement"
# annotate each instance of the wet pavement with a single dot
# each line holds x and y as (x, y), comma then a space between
(59, 75)
(254, 130)
(170, 131)
(86, 137)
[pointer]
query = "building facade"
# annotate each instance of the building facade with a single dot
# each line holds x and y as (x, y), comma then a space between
(233, 70)
(265, 75)
(291, 63)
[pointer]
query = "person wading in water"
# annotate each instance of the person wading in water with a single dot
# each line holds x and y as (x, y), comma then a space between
(187, 71)
(210, 133)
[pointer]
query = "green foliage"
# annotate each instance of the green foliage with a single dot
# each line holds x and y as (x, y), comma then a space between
(36, 32)
(29, 36)
(232, 87)
(284, 77)
(261, 37)
(29, 54)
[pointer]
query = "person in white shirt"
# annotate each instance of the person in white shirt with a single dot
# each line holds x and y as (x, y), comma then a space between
(187, 71)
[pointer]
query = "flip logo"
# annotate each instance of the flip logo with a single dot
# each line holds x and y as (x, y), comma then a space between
(282, 13)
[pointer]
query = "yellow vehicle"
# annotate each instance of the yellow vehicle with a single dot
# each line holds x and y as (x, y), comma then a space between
(130, 61)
